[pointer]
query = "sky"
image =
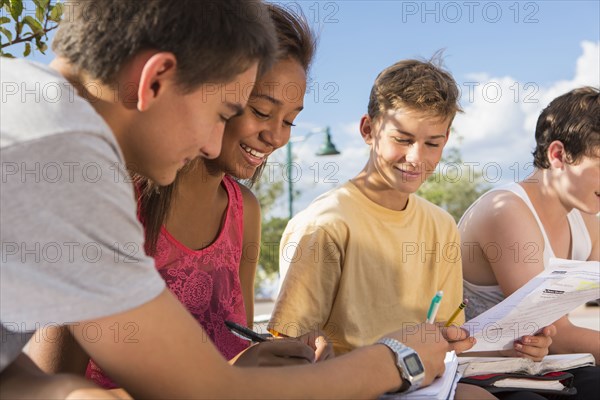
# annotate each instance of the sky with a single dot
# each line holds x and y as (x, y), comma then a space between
(509, 58)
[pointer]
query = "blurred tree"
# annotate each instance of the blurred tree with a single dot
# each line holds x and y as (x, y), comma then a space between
(454, 186)
(31, 21)
(269, 247)
(269, 190)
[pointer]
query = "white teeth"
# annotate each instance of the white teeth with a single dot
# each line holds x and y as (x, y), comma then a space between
(255, 153)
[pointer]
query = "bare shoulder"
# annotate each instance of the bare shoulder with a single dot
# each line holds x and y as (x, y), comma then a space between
(251, 204)
(252, 216)
(499, 214)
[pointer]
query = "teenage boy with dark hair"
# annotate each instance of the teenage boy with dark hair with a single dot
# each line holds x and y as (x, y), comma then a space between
(552, 213)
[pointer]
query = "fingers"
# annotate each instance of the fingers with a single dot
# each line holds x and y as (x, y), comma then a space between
(458, 338)
(534, 347)
(548, 331)
(533, 353)
(462, 345)
(324, 349)
(454, 333)
(433, 370)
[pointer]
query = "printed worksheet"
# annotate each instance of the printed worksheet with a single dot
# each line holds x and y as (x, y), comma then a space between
(553, 293)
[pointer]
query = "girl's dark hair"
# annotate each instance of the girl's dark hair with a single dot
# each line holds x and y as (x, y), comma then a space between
(213, 40)
(295, 40)
(574, 120)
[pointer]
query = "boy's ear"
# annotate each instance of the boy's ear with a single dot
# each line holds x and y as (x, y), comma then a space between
(366, 129)
(157, 74)
(556, 154)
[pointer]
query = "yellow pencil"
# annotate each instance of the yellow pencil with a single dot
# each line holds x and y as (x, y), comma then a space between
(458, 310)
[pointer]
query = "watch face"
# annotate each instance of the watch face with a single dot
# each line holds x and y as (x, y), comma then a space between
(413, 364)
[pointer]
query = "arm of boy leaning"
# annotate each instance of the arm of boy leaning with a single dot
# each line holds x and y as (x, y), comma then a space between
(310, 268)
(54, 351)
(170, 344)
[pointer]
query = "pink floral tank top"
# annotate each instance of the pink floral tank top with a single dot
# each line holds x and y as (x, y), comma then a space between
(206, 281)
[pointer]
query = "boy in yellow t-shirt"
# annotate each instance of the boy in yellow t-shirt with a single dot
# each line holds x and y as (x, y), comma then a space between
(366, 258)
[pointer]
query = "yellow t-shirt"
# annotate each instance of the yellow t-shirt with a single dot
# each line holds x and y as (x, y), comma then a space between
(357, 270)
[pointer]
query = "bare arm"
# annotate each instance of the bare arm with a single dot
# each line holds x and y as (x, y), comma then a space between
(250, 251)
(169, 343)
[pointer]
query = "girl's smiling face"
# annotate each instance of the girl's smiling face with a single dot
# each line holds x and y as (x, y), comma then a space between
(265, 125)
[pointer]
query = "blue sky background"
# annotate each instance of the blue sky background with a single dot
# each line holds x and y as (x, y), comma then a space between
(532, 51)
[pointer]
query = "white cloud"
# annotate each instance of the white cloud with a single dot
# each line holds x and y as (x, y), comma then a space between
(500, 114)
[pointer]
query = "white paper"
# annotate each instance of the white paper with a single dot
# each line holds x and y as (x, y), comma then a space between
(550, 295)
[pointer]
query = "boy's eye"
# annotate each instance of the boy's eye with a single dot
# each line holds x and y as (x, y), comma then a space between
(287, 123)
(432, 144)
(403, 141)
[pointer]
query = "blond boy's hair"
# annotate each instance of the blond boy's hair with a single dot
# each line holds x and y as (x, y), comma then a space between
(421, 86)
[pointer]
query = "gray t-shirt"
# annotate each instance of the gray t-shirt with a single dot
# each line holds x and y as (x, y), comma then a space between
(72, 247)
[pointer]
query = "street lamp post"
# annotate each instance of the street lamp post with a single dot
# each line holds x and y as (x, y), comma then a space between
(326, 149)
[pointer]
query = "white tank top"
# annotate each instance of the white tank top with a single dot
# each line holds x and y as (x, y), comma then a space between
(483, 298)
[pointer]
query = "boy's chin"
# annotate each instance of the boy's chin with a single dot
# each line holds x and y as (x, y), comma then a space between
(164, 178)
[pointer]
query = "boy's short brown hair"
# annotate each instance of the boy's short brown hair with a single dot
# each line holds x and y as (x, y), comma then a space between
(422, 86)
(574, 120)
(213, 40)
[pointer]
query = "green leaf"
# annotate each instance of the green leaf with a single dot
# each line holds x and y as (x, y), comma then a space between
(56, 13)
(7, 55)
(42, 47)
(41, 9)
(40, 13)
(19, 27)
(16, 8)
(6, 33)
(35, 26)
(27, 49)
(4, 20)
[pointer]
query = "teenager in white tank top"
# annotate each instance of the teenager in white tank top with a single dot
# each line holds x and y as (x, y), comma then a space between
(509, 234)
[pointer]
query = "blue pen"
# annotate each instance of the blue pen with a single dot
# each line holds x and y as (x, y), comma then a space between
(434, 307)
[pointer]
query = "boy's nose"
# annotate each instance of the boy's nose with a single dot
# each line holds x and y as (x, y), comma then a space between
(414, 154)
(212, 149)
